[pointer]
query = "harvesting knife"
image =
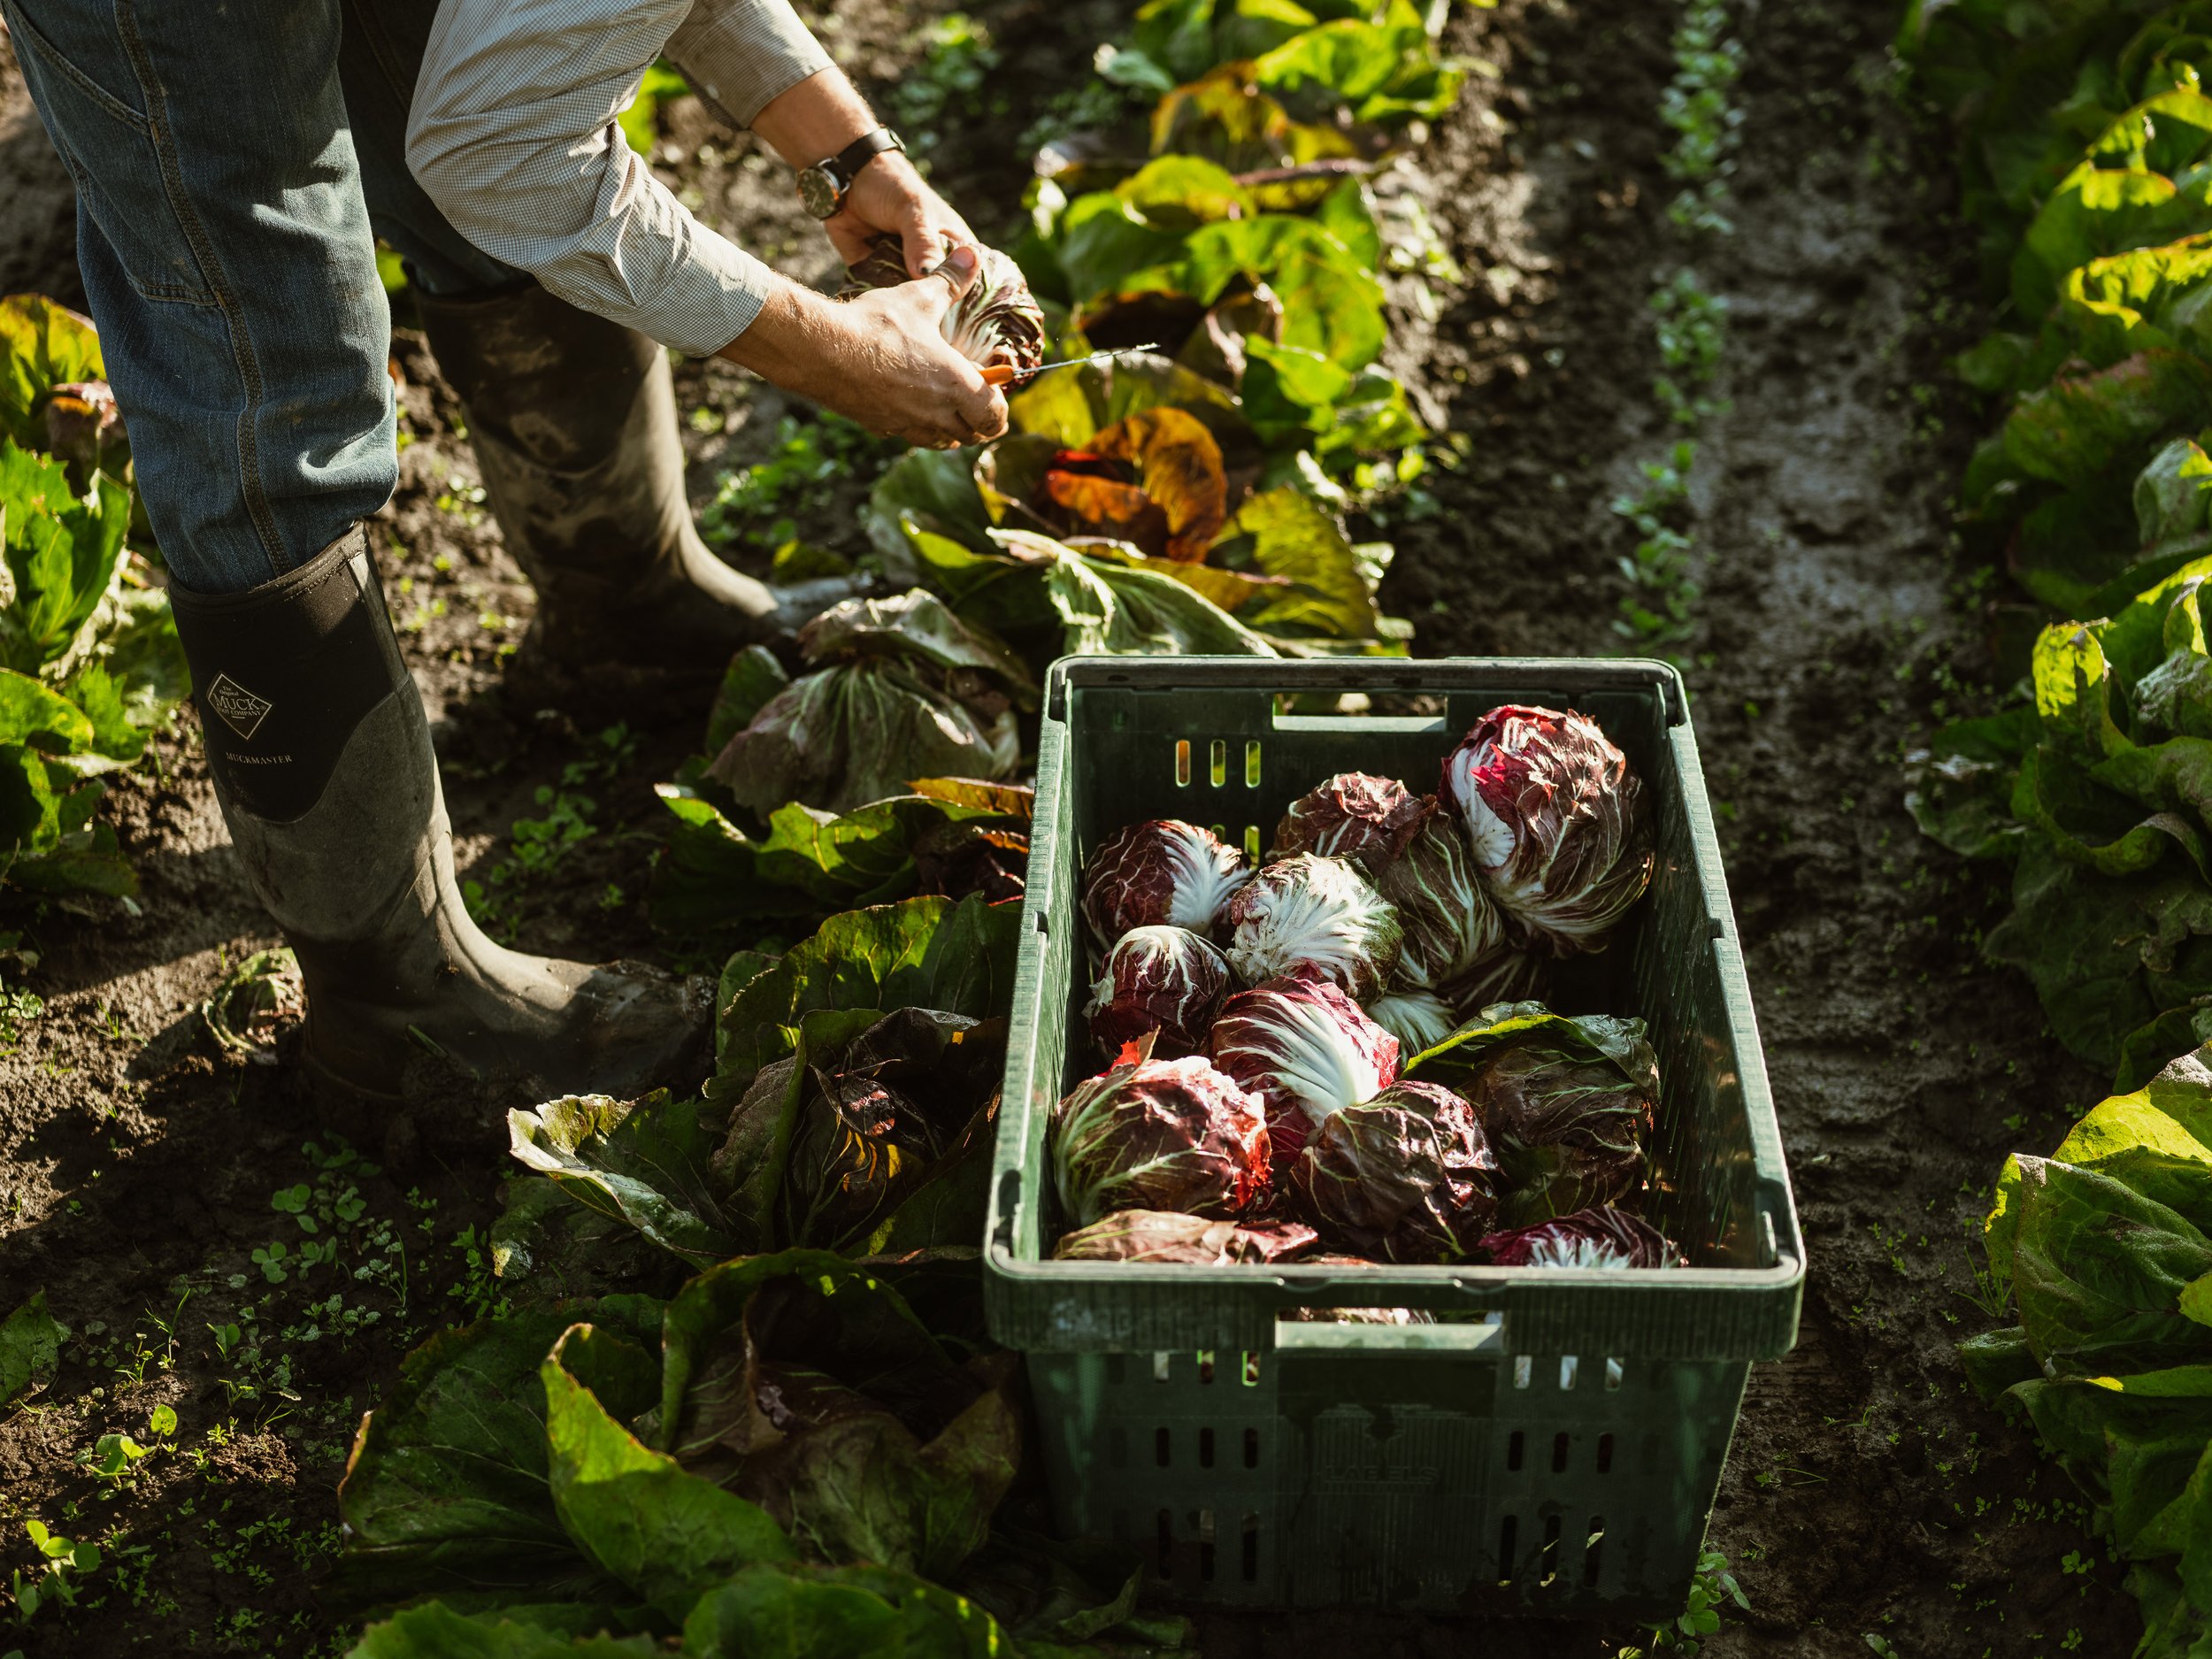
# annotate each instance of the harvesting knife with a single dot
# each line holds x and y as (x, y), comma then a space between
(999, 374)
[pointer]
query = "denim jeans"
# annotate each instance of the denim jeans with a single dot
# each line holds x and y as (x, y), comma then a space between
(234, 160)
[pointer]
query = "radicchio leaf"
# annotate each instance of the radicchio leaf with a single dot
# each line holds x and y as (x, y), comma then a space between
(1601, 1237)
(1452, 929)
(1558, 822)
(1317, 916)
(1405, 1176)
(1418, 1019)
(1353, 815)
(1156, 1235)
(1162, 978)
(904, 689)
(1306, 1050)
(1568, 1102)
(1160, 870)
(1159, 1134)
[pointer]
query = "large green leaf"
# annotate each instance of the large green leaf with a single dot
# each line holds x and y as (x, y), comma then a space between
(446, 1489)
(849, 1612)
(1331, 303)
(714, 875)
(886, 1449)
(1286, 534)
(1112, 608)
(438, 1631)
(1384, 72)
(2099, 1270)
(861, 731)
(635, 1512)
(2092, 945)
(642, 1162)
(63, 553)
(2085, 423)
(43, 345)
(925, 952)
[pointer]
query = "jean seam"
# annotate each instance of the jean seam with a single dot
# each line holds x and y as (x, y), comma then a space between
(53, 57)
(196, 234)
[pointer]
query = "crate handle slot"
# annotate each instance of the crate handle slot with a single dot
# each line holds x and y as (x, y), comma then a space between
(1364, 725)
(1451, 1341)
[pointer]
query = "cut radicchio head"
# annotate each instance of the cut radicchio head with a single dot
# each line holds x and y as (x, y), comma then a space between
(1158, 1134)
(1160, 870)
(1405, 1176)
(1306, 1050)
(998, 323)
(1601, 1237)
(1353, 815)
(1159, 1235)
(1317, 917)
(1557, 821)
(1162, 979)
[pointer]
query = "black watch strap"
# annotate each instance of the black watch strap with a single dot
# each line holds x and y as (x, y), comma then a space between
(856, 155)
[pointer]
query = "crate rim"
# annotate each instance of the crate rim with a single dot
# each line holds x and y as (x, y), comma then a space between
(1470, 1288)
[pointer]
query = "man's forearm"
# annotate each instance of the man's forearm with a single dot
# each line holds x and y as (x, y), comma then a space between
(815, 119)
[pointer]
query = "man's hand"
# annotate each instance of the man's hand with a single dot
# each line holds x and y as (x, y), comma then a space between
(819, 117)
(881, 358)
(888, 197)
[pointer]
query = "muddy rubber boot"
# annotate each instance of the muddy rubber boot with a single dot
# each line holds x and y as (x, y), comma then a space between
(321, 759)
(573, 421)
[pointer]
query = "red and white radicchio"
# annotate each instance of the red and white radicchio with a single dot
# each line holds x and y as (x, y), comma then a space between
(1317, 916)
(1160, 870)
(1601, 1237)
(1353, 815)
(1557, 821)
(1306, 1050)
(1405, 1176)
(1158, 1134)
(1162, 979)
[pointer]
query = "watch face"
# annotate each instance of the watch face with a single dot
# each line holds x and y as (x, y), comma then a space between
(819, 193)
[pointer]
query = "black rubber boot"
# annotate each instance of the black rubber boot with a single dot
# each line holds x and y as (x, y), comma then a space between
(321, 759)
(573, 421)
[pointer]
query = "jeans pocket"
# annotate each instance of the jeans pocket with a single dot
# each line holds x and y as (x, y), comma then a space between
(116, 159)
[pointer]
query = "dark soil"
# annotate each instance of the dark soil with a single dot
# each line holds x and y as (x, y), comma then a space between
(1867, 1491)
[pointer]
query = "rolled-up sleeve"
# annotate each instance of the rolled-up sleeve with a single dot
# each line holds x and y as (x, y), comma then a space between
(514, 135)
(741, 55)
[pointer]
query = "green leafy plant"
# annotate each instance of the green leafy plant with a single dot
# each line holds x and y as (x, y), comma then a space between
(90, 664)
(2104, 1248)
(63, 1565)
(601, 1469)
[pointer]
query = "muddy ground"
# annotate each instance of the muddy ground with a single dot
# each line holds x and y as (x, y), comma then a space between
(1868, 1493)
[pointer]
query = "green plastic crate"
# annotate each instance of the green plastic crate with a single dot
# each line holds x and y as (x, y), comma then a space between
(1555, 1449)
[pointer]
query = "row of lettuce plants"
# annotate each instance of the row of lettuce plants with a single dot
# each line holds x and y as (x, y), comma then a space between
(2086, 151)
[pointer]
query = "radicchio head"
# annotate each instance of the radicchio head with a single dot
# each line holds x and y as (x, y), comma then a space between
(1162, 979)
(1313, 916)
(1160, 870)
(1405, 1176)
(1557, 821)
(1158, 1134)
(1306, 1050)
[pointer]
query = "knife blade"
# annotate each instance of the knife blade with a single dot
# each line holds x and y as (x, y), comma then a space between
(1000, 374)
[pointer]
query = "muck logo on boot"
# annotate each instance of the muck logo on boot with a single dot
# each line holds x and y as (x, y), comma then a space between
(240, 710)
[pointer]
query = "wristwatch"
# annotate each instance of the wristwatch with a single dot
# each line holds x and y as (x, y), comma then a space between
(824, 187)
